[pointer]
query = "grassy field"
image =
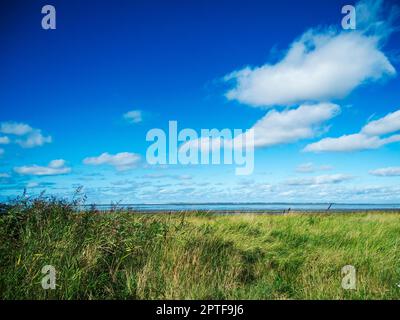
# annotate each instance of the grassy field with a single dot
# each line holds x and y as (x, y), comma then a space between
(119, 255)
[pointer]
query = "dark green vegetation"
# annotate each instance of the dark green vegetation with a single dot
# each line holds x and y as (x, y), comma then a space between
(195, 256)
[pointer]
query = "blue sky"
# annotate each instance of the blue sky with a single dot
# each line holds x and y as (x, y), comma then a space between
(322, 100)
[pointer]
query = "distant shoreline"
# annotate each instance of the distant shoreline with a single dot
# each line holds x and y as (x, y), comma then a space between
(243, 212)
(246, 208)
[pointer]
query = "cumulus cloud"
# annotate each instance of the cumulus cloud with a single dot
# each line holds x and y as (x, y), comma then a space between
(134, 116)
(352, 142)
(34, 139)
(18, 129)
(389, 123)
(386, 172)
(29, 137)
(55, 167)
(292, 125)
(368, 138)
(318, 67)
(321, 65)
(121, 161)
(319, 180)
(276, 127)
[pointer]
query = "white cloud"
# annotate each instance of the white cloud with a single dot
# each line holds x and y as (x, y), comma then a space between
(374, 19)
(185, 177)
(34, 139)
(1, 152)
(275, 128)
(292, 125)
(59, 163)
(388, 124)
(386, 172)
(306, 168)
(15, 128)
(134, 116)
(4, 175)
(319, 180)
(121, 161)
(368, 138)
(30, 137)
(319, 66)
(352, 142)
(4, 140)
(168, 176)
(55, 167)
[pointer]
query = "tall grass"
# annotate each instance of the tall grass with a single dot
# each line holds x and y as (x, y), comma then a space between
(122, 255)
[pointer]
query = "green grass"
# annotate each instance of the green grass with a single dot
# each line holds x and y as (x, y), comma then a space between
(120, 255)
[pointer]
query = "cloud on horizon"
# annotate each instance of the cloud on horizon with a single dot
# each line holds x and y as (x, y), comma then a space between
(386, 172)
(319, 180)
(309, 167)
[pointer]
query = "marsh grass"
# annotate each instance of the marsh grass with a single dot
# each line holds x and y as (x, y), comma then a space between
(122, 255)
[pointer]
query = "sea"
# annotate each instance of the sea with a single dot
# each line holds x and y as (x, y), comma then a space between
(249, 207)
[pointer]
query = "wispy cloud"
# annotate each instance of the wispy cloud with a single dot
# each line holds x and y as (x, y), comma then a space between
(121, 161)
(386, 172)
(168, 176)
(376, 18)
(36, 185)
(134, 116)
(310, 167)
(319, 180)
(55, 167)
(32, 184)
